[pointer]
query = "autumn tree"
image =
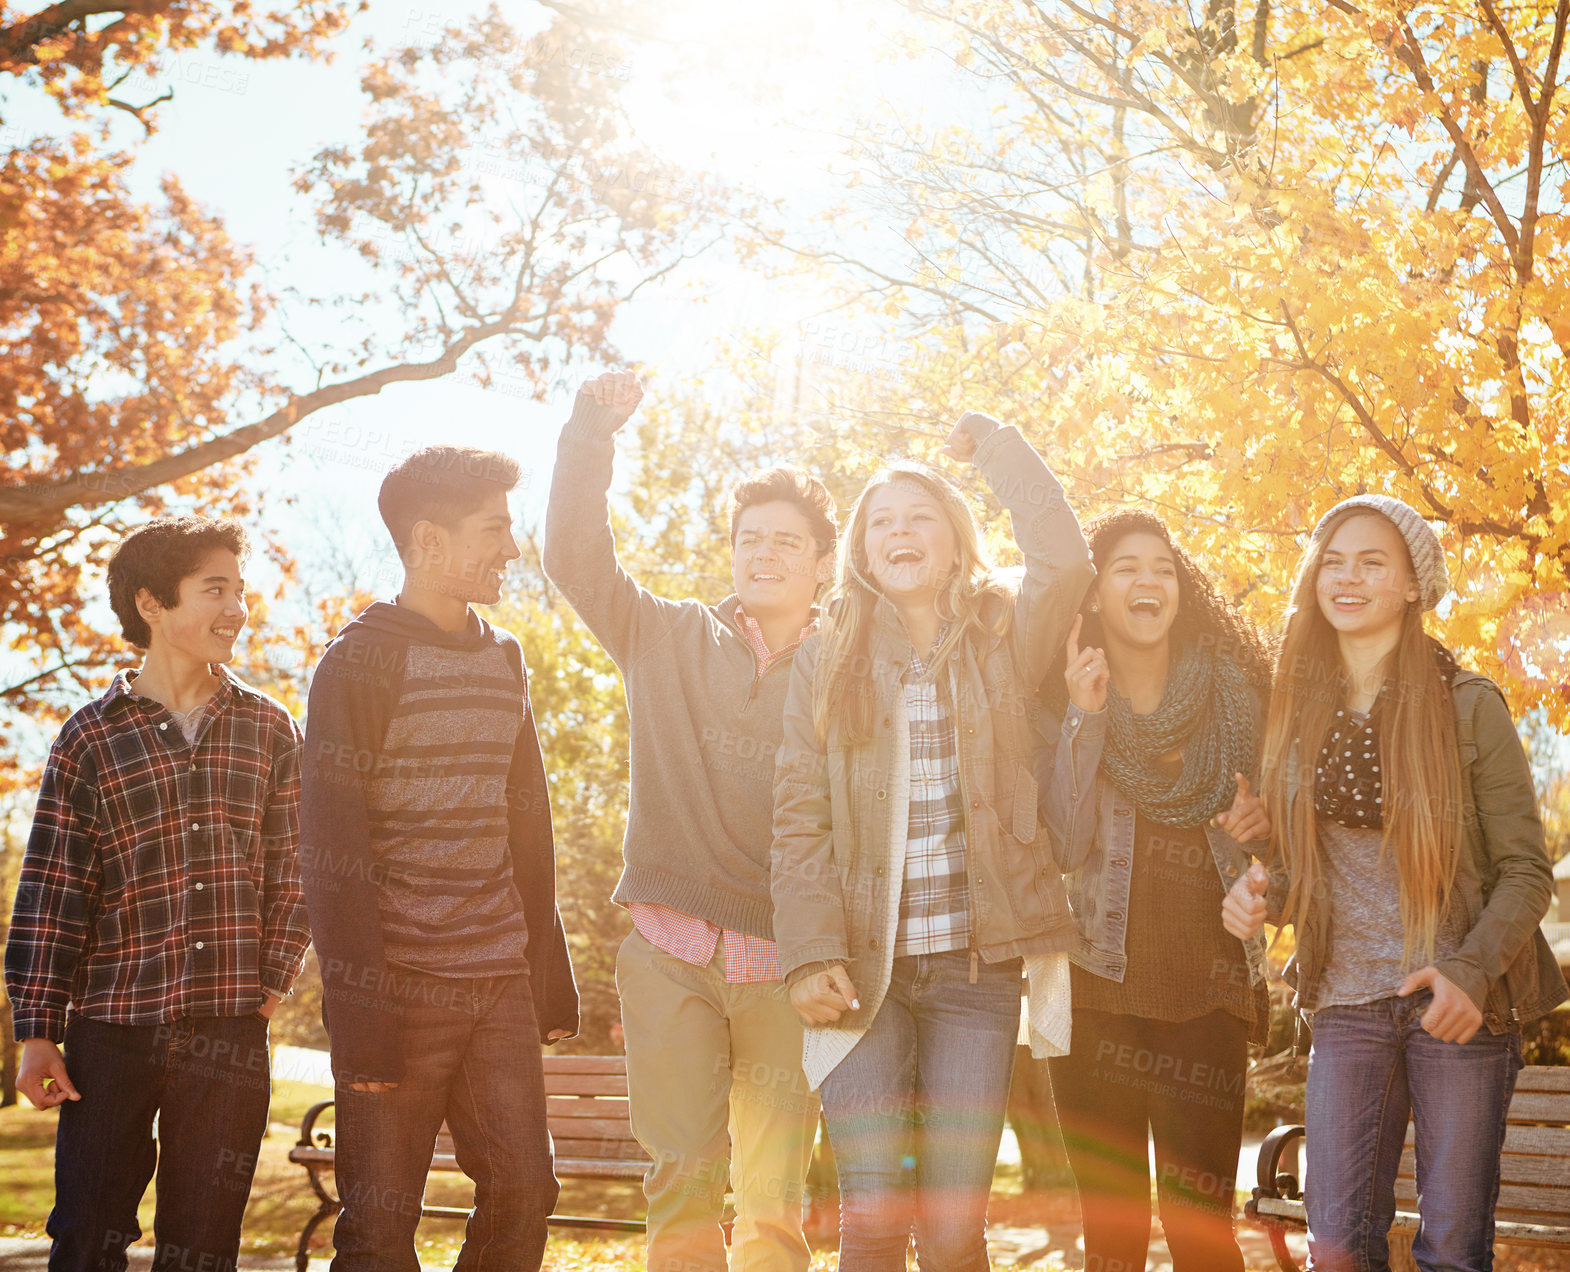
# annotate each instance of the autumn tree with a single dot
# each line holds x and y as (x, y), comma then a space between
(1236, 264)
(134, 335)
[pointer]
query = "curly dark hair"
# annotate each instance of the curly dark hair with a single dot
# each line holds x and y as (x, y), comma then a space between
(160, 554)
(1203, 616)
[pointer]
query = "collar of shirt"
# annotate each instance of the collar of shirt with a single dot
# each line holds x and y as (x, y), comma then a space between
(122, 694)
(918, 664)
(753, 633)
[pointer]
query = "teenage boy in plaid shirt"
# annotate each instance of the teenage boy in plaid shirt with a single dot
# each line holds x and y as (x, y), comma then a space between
(159, 917)
(714, 1078)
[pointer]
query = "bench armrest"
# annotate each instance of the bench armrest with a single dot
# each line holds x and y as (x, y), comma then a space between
(310, 1137)
(1272, 1183)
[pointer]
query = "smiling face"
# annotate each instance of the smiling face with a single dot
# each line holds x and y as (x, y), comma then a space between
(209, 617)
(909, 543)
(466, 561)
(1137, 590)
(1364, 583)
(775, 563)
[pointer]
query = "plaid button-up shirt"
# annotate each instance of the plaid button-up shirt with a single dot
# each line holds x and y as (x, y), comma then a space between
(161, 878)
(934, 907)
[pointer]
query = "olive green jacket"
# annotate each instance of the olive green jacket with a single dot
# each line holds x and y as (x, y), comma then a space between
(1504, 877)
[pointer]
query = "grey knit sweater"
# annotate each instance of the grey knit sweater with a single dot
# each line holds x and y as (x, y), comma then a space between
(704, 725)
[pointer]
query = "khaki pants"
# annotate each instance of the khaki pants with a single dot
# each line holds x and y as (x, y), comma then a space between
(717, 1097)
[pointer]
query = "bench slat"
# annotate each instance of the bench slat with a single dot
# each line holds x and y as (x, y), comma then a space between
(1544, 1077)
(581, 1165)
(589, 1128)
(625, 1150)
(582, 1064)
(575, 1168)
(303, 1155)
(1505, 1230)
(1538, 1141)
(615, 1145)
(586, 1106)
(1539, 1106)
(587, 1084)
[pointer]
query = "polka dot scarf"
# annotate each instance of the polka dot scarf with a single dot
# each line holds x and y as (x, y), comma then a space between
(1347, 784)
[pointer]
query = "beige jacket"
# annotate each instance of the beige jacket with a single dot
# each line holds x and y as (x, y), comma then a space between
(840, 816)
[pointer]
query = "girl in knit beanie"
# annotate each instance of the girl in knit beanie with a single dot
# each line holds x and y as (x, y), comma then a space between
(1159, 693)
(1403, 808)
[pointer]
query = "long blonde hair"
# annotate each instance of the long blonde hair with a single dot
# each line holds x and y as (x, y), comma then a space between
(1420, 765)
(843, 691)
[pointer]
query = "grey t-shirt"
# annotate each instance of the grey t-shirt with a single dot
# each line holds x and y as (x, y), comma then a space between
(1364, 962)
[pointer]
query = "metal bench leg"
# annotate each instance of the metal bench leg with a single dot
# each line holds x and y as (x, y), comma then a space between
(302, 1254)
(1278, 1246)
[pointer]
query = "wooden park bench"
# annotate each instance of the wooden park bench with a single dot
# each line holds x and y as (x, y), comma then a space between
(1534, 1186)
(586, 1106)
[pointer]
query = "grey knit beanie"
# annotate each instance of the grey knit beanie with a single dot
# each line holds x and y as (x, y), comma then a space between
(1428, 557)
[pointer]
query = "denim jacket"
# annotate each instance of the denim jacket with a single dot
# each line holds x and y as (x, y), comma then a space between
(1092, 828)
(1504, 878)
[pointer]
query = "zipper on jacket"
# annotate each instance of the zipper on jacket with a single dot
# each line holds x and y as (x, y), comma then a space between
(785, 659)
(757, 677)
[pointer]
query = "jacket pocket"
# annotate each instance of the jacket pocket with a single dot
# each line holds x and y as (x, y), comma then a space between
(1023, 816)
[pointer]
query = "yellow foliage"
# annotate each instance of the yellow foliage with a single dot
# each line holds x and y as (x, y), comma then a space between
(1307, 259)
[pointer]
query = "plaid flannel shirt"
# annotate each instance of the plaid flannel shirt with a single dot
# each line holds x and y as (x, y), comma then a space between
(161, 878)
(934, 905)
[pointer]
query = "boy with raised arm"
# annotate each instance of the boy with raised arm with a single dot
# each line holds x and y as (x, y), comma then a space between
(711, 1036)
(428, 863)
(158, 917)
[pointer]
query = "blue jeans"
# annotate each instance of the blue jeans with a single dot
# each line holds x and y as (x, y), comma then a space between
(915, 1113)
(207, 1081)
(471, 1058)
(1371, 1067)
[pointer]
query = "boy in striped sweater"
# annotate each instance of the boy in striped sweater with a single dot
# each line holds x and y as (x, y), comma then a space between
(427, 859)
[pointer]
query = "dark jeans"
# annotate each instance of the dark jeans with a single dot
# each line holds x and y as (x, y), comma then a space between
(915, 1113)
(1126, 1078)
(1371, 1067)
(471, 1058)
(207, 1081)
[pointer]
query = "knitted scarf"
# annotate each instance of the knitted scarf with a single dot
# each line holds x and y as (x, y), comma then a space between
(1206, 713)
(1348, 788)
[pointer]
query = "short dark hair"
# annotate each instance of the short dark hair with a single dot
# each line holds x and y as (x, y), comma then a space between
(793, 486)
(158, 556)
(441, 484)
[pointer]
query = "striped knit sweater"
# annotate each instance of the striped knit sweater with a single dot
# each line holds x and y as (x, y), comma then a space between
(425, 828)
